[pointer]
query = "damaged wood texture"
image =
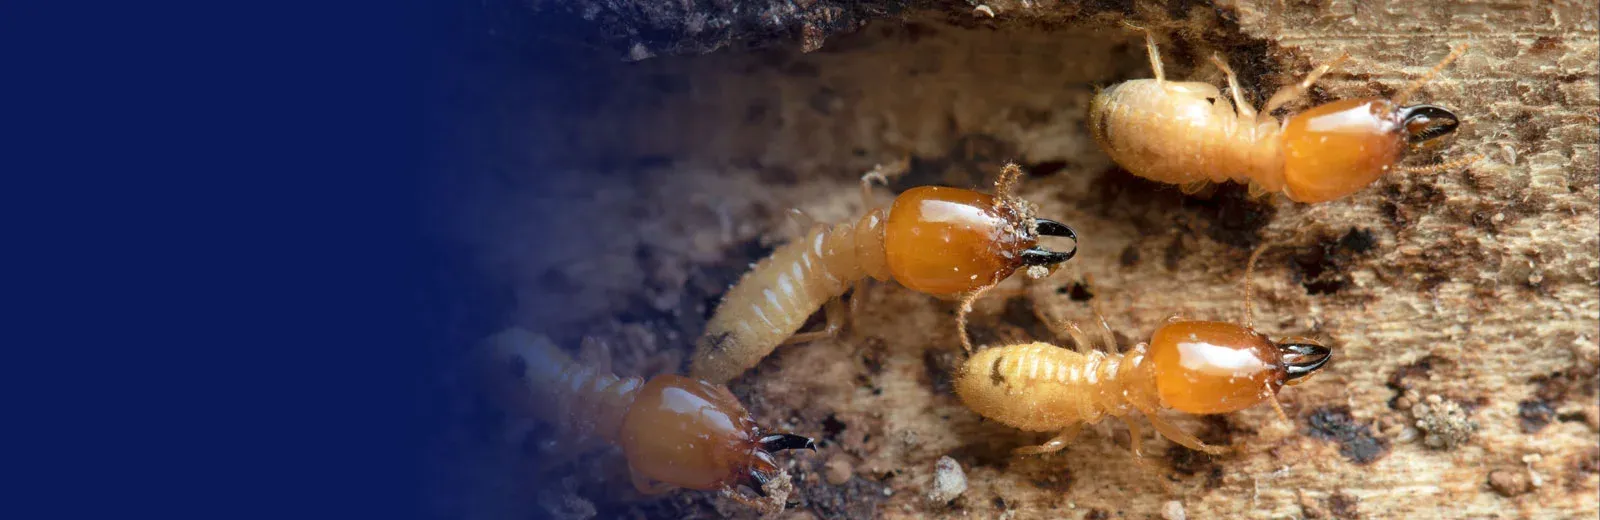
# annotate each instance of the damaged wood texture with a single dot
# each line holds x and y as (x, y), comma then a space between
(1462, 307)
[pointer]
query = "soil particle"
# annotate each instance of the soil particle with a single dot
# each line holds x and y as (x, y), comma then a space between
(1344, 505)
(1447, 423)
(1509, 483)
(949, 482)
(1356, 441)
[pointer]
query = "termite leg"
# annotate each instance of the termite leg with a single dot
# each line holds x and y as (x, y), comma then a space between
(1191, 188)
(1179, 436)
(1135, 436)
(1065, 329)
(856, 295)
(1292, 92)
(1249, 292)
(1108, 339)
(1150, 48)
(1257, 191)
(1135, 443)
(866, 186)
(803, 222)
(835, 312)
(1055, 444)
(1244, 110)
(593, 352)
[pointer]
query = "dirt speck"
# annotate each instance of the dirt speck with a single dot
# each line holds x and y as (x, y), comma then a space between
(1129, 257)
(1447, 423)
(1077, 291)
(940, 367)
(1399, 380)
(1231, 216)
(856, 498)
(1173, 510)
(1344, 505)
(1581, 467)
(1534, 415)
(1324, 267)
(1356, 441)
(838, 470)
(1509, 482)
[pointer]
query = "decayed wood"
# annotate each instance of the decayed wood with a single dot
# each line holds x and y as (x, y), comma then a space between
(1465, 302)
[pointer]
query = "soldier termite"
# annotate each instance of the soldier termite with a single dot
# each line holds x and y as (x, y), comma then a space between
(675, 431)
(1196, 367)
(1186, 133)
(936, 240)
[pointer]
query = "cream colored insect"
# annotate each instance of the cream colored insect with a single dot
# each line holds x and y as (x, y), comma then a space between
(674, 431)
(1186, 133)
(1194, 367)
(935, 240)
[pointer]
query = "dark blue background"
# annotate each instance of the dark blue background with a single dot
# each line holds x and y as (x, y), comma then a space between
(221, 301)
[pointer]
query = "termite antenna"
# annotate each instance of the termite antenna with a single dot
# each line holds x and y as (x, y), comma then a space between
(787, 441)
(1272, 397)
(1005, 186)
(1400, 99)
(961, 316)
(1249, 271)
(1451, 165)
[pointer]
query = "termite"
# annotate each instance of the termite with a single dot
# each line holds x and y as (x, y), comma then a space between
(1194, 367)
(673, 430)
(932, 239)
(1186, 133)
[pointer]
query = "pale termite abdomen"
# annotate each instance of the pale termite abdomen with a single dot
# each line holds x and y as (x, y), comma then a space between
(772, 301)
(544, 383)
(1042, 387)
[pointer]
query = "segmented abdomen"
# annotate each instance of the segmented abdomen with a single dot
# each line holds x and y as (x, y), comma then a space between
(537, 379)
(1039, 386)
(773, 300)
(1180, 133)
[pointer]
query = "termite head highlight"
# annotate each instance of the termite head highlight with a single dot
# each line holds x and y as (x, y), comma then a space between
(694, 434)
(1206, 367)
(1336, 149)
(942, 240)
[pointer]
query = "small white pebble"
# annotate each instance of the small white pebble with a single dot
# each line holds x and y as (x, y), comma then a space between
(888, 492)
(1173, 510)
(949, 481)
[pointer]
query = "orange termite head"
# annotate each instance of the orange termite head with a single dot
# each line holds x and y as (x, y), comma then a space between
(942, 240)
(1336, 149)
(1206, 367)
(693, 434)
